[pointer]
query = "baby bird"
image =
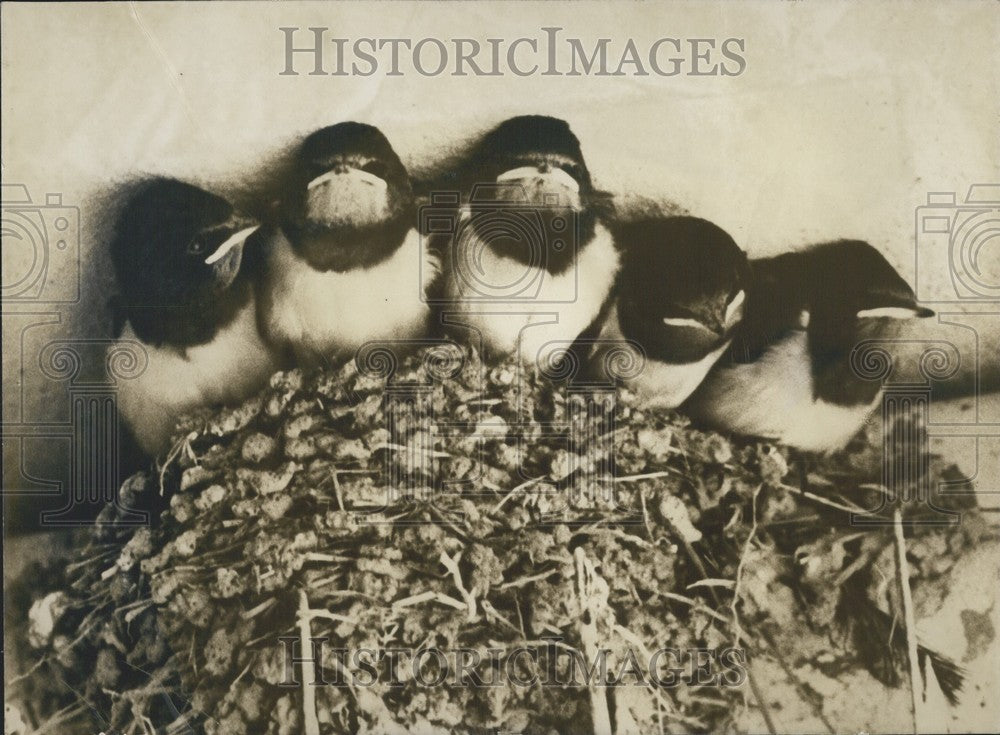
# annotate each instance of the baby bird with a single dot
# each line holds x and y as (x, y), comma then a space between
(679, 298)
(529, 262)
(344, 257)
(188, 297)
(788, 374)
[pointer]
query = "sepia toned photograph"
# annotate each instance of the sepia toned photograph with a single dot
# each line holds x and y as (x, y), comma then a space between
(500, 367)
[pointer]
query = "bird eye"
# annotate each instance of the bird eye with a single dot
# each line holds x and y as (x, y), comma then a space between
(196, 246)
(376, 168)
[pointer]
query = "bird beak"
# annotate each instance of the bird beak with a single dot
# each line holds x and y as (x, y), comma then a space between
(686, 322)
(554, 174)
(237, 239)
(346, 195)
(356, 176)
(734, 311)
(704, 331)
(897, 312)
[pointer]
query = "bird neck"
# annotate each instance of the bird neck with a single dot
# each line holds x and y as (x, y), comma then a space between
(349, 247)
(833, 336)
(187, 325)
(776, 297)
(575, 231)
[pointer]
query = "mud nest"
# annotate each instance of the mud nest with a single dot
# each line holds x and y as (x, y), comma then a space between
(440, 505)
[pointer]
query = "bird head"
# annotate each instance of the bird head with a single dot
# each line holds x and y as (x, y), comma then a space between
(682, 288)
(851, 280)
(177, 245)
(349, 199)
(531, 169)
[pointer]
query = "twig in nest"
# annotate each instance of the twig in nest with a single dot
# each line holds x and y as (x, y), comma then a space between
(311, 722)
(182, 444)
(436, 454)
(519, 488)
(452, 566)
(257, 609)
(494, 613)
(140, 607)
(318, 556)
(114, 551)
(82, 700)
(528, 580)
(459, 533)
(336, 617)
(759, 696)
(586, 592)
(648, 476)
(645, 517)
(826, 501)
(916, 680)
(696, 605)
(737, 628)
(336, 488)
(615, 532)
(425, 597)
